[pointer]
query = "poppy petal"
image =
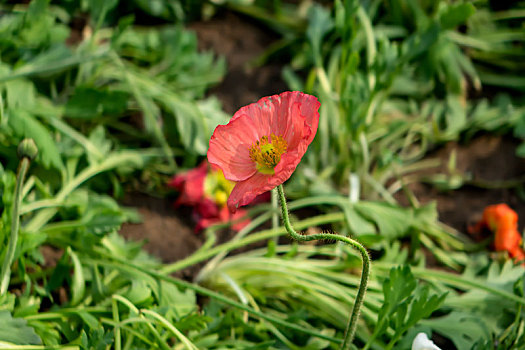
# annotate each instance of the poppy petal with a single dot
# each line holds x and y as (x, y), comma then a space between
(230, 150)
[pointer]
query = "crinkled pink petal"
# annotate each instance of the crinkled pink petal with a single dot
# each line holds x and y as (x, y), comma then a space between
(309, 106)
(230, 149)
(245, 191)
(273, 114)
(297, 130)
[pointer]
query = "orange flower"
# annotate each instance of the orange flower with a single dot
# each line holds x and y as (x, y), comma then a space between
(502, 220)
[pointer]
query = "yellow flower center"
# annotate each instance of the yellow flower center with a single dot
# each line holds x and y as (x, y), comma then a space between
(217, 187)
(267, 152)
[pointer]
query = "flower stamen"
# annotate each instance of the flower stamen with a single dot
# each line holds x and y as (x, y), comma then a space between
(266, 153)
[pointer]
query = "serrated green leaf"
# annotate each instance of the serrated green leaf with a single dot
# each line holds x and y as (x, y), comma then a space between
(462, 328)
(102, 221)
(405, 304)
(399, 286)
(100, 142)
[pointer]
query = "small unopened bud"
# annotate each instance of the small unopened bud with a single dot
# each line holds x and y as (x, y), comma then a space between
(27, 149)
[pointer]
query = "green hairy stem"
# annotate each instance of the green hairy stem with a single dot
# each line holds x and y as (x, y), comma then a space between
(365, 273)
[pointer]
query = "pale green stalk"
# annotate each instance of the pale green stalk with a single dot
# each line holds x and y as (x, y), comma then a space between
(259, 236)
(26, 151)
(123, 265)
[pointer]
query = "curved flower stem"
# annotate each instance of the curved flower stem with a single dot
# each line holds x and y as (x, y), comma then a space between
(275, 212)
(365, 273)
(15, 223)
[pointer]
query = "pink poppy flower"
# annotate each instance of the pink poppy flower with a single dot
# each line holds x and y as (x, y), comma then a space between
(263, 143)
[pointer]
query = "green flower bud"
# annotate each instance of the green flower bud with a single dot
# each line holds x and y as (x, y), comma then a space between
(27, 148)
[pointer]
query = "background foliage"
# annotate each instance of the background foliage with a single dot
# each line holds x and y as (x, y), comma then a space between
(114, 93)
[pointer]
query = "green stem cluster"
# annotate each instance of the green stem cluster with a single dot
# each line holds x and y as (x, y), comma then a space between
(365, 273)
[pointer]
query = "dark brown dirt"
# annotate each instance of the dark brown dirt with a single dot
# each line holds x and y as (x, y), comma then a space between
(241, 41)
(167, 232)
(486, 162)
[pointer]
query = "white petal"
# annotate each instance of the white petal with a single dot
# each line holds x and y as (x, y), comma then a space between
(421, 342)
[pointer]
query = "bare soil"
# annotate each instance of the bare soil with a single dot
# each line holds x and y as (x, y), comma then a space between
(241, 41)
(488, 161)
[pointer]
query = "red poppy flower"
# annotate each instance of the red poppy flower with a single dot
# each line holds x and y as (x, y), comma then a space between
(190, 185)
(503, 221)
(206, 190)
(263, 143)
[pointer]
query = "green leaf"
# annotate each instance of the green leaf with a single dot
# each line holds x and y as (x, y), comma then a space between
(78, 284)
(101, 142)
(455, 14)
(90, 320)
(99, 9)
(98, 339)
(101, 222)
(88, 102)
(405, 304)
(392, 221)
(183, 302)
(16, 331)
(139, 293)
(319, 24)
(29, 242)
(60, 274)
(19, 93)
(27, 126)
(519, 128)
(358, 225)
